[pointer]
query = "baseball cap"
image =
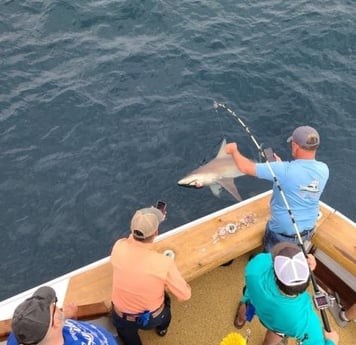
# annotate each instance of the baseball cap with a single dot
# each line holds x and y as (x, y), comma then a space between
(145, 222)
(289, 263)
(306, 137)
(32, 317)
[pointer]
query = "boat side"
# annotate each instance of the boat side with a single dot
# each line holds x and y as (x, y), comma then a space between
(70, 287)
(334, 246)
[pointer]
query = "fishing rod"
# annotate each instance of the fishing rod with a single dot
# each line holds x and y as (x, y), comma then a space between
(321, 300)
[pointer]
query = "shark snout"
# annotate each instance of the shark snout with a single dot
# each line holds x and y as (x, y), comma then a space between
(189, 183)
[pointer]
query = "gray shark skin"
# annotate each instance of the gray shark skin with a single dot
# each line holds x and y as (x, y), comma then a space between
(217, 174)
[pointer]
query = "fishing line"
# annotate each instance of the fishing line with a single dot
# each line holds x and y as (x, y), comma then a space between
(221, 122)
(275, 180)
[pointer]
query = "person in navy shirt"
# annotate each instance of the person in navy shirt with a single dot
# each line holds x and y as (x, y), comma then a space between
(37, 320)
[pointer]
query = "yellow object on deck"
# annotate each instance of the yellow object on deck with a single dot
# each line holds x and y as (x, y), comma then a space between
(234, 338)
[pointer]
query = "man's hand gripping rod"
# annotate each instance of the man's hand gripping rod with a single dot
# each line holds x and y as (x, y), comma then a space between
(275, 180)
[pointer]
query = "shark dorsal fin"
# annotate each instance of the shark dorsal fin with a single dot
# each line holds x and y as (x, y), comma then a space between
(222, 152)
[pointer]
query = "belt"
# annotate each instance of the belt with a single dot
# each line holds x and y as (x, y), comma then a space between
(133, 317)
(302, 234)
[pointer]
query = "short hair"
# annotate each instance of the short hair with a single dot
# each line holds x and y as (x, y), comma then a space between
(292, 290)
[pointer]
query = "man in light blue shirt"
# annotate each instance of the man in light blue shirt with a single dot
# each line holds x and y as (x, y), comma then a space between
(301, 180)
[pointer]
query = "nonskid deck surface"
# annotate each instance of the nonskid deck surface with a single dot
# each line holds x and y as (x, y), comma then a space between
(208, 316)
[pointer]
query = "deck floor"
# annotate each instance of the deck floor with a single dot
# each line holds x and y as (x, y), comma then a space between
(208, 316)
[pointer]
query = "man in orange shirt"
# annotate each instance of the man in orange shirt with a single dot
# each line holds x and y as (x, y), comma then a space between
(141, 277)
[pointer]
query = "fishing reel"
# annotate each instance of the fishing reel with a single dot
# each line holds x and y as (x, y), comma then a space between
(322, 300)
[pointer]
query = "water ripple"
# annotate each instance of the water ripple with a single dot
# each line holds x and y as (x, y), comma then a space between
(105, 104)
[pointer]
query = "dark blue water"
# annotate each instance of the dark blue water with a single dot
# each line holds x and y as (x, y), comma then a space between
(104, 105)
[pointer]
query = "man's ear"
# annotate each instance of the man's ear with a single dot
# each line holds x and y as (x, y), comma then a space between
(58, 319)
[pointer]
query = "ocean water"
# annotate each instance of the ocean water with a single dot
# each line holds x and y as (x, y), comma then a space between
(105, 104)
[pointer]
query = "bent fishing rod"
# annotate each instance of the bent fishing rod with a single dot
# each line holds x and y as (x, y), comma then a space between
(319, 296)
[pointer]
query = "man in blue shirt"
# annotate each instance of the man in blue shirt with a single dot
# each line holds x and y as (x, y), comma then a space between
(276, 286)
(301, 180)
(37, 320)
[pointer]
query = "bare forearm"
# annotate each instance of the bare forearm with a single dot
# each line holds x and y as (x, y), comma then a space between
(244, 164)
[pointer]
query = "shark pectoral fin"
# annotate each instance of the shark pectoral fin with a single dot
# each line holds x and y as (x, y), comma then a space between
(229, 185)
(216, 189)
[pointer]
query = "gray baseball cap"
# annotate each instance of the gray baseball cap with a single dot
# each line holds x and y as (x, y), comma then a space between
(145, 222)
(32, 317)
(306, 137)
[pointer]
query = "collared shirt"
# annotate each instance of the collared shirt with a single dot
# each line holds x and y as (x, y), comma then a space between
(302, 182)
(141, 275)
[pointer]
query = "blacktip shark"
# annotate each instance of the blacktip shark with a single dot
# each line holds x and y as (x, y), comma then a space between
(217, 174)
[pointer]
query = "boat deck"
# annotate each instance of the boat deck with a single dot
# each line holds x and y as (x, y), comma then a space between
(208, 316)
